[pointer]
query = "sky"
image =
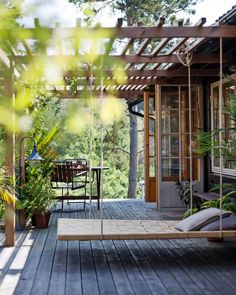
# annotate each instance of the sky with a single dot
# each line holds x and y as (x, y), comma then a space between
(66, 13)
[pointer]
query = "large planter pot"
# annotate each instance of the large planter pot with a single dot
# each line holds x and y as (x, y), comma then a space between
(21, 219)
(42, 219)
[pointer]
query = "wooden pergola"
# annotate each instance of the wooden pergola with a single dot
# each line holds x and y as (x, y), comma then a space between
(147, 54)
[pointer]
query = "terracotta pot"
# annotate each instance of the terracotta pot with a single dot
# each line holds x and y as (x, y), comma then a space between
(42, 219)
(21, 219)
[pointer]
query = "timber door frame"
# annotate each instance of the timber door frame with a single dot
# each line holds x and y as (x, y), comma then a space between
(150, 181)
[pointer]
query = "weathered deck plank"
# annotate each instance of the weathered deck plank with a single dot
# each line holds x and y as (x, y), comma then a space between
(122, 283)
(41, 265)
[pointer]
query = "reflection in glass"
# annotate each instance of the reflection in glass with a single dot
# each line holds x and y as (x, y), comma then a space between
(175, 131)
(151, 126)
(170, 145)
(170, 168)
(170, 97)
(152, 147)
(170, 121)
(152, 166)
(151, 105)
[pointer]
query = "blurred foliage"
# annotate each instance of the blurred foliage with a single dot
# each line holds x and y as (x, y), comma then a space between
(7, 194)
(136, 11)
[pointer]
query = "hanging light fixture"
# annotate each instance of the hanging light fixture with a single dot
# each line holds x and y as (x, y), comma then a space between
(34, 156)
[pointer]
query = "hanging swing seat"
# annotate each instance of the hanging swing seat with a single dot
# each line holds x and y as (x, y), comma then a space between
(90, 229)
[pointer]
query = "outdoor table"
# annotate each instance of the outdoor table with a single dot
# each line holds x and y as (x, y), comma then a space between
(97, 170)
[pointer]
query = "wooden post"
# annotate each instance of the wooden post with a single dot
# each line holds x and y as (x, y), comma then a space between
(10, 162)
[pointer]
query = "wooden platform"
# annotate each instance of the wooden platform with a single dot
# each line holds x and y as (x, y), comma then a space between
(42, 265)
(83, 230)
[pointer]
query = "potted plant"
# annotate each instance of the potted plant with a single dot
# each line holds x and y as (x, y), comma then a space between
(39, 197)
(185, 196)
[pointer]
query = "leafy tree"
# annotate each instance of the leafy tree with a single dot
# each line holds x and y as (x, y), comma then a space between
(144, 11)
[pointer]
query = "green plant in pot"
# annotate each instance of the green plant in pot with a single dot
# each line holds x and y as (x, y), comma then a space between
(228, 200)
(39, 197)
(185, 196)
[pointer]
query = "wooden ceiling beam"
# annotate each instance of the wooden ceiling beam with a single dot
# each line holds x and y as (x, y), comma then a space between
(151, 73)
(145, 81)
(224, 31)
(197, 58)
(227, 31)
(96, 94)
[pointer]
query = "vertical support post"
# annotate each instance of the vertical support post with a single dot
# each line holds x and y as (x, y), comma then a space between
(190, 140)
(146, 144)
(10, 161)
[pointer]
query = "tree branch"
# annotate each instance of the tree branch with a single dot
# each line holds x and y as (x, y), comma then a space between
(122, 149)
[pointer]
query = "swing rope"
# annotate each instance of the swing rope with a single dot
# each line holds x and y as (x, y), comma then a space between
(90, 138)
(220, 133)
(101, 149)
(188, 55)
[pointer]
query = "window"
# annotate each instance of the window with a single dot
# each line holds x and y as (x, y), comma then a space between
(175, 132)
(229, 166)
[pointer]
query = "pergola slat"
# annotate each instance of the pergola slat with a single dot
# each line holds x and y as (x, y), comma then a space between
(200, 23)
(148, 40)
(127, 46)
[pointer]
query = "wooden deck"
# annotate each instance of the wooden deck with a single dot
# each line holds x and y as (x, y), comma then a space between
(39, 264)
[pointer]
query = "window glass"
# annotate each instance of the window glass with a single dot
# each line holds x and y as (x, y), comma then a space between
(229, 165)
(175, 130)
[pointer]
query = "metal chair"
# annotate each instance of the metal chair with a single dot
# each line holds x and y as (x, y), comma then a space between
(68, 177)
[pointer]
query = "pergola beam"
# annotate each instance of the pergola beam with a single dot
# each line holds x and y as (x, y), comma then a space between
(96, 94)
(197, 58)
(133, 81)
(152, 73)
(224, 31)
